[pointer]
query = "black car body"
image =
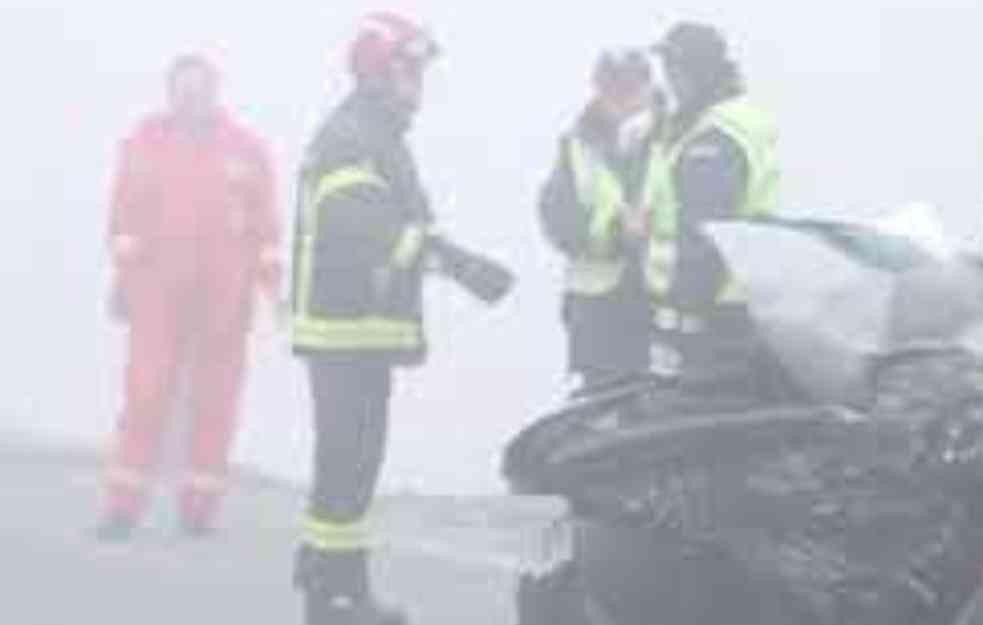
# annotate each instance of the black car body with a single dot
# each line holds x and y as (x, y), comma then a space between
(853, 502)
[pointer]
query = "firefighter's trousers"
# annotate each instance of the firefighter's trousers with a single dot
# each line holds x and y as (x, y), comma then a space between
(351, 406)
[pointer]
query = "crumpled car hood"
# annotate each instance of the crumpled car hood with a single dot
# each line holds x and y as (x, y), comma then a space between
(831, 295)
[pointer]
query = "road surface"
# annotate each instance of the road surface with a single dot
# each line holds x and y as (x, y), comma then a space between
(448, 561)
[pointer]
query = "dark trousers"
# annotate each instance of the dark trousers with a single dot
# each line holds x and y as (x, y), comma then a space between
(609, 336)
(351, 410)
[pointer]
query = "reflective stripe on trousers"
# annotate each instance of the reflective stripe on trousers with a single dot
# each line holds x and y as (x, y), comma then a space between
(326, 535)
(369, 333)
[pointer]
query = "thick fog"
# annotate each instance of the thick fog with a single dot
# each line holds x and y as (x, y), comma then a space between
(879, 104)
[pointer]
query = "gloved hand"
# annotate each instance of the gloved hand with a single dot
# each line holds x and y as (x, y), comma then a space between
(481, 276)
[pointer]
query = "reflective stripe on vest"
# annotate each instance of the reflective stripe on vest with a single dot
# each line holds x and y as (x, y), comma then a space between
(598, 189)
(755, 132)
(664, 224)
(330, 536)
(361, 333)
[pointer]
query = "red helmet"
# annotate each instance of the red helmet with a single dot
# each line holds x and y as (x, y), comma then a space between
(383, 37)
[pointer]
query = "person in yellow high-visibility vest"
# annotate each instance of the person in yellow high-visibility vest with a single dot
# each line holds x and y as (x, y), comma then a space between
(720, 163)
(593, 211)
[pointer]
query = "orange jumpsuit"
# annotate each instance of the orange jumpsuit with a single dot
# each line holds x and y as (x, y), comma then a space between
(201, 213)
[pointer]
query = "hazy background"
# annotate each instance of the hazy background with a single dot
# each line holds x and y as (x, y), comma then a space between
(880, 103)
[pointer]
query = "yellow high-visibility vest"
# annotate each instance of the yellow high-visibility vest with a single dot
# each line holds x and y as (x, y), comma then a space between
(597, 271)
(755, 131)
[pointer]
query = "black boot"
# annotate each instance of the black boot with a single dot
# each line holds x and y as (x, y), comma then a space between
(337, 591)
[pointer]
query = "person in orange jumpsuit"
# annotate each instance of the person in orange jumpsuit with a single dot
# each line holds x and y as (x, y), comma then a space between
(193, 233)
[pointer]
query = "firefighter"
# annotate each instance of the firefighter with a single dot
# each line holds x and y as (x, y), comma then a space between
(192, 233)
(362, 227)
(721, 164)
(593, 210)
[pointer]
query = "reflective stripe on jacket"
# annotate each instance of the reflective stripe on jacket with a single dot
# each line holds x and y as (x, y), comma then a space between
(367, 333)
(359, 237)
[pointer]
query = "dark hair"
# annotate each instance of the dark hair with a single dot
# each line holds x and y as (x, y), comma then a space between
(703, 55)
